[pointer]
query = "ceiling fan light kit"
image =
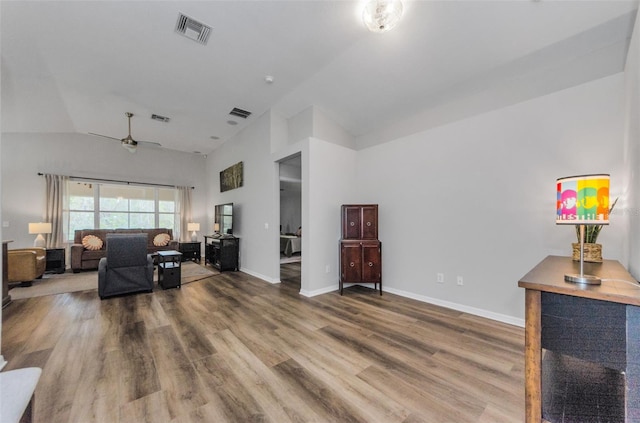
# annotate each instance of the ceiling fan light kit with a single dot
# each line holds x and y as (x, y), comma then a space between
(128, 143)
(382, 15)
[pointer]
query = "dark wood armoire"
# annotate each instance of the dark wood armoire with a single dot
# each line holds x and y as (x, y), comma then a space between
(360, 249)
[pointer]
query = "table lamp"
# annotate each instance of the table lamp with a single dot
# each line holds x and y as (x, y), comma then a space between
(39, 228)
(216, 227)
(582, 200)
(194, 227)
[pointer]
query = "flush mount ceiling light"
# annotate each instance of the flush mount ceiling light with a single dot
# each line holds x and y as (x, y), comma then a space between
(382, 15)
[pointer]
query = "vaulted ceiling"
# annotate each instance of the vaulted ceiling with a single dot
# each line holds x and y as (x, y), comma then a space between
(78, 66)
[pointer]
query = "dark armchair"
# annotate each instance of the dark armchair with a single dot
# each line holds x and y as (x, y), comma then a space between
(127, 268)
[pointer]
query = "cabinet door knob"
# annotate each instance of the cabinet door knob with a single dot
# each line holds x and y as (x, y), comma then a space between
(368, 223)
(353, 223)
(370, 264)
(352, 264)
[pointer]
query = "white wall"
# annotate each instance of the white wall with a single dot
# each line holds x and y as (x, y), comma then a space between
(630, 209)
(476, 198)
(328, 180)
(329, 175)
(24, 155)
(255, 222)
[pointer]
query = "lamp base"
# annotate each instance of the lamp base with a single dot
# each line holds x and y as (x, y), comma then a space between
(585, 279)
(39, 242)
(194, 236)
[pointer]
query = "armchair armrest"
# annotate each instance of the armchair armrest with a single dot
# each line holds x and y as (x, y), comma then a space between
(76, 256)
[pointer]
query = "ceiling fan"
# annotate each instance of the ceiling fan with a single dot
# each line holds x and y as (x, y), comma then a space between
(128, 142)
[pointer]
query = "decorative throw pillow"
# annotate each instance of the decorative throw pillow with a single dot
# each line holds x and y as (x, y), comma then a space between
(92, 242)
(161, 240)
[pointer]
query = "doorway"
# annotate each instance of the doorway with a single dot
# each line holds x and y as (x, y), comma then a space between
(291, 231)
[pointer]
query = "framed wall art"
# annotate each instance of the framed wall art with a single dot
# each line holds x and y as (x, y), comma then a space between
(231, 177)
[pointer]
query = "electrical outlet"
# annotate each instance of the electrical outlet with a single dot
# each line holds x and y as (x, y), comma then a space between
(460, 281)
(440, 278)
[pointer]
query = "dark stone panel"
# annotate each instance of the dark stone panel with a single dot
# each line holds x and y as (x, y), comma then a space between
(587, 329)
(580, 391)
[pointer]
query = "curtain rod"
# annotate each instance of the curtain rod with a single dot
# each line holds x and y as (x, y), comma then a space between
(82, 178)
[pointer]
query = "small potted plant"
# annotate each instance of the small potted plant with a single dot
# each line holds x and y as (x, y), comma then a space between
(592, 250)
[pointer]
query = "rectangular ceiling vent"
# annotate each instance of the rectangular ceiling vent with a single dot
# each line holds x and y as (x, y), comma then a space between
(193, 29)
(240, 113)
(160, 118)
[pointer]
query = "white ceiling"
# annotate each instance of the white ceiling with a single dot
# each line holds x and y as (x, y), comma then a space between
(78, 66)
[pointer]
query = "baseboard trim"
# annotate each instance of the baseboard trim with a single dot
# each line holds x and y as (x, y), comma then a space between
(510, 320)
(260, 276)
(459, 307)
(320, 291)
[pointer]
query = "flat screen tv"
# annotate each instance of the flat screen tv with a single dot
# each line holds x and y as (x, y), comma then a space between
(224, 218)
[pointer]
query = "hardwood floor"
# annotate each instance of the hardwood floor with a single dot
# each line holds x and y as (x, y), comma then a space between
(232, 348)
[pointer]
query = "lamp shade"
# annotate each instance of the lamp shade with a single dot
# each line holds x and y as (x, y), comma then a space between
(583, 200)
(40, 228)
(216, 227)
(193, 226)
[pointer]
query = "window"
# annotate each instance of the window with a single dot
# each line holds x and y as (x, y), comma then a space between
(111, 206)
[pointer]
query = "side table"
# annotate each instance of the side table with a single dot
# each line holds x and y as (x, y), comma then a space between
(169, 269)
(190, 250)
(55, 260)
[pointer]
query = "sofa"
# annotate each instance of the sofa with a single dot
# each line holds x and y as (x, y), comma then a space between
(26, 264)
(85, 256)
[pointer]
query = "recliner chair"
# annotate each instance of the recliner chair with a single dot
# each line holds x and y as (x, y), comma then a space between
(26, 264)
(127, 268)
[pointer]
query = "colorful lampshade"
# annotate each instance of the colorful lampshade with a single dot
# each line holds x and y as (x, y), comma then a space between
(583, 200)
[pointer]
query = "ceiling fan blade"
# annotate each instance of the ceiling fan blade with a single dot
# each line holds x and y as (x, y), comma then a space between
(104, 136)
(150, 143)
(128, 142)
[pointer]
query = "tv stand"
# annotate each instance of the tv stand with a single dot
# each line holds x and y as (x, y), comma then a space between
(222, 252)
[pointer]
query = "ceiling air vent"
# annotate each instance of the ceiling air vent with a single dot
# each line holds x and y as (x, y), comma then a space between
(240, 113)
(193, 29)
(160, 118)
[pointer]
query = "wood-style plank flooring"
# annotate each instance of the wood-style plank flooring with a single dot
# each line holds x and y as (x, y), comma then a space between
(232, 348)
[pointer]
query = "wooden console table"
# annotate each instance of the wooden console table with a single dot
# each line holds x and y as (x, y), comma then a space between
(596, 323)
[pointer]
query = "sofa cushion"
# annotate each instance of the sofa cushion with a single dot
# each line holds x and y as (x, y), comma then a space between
(161, 240)
(100, 233)
(92, 242)
(156, 231)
